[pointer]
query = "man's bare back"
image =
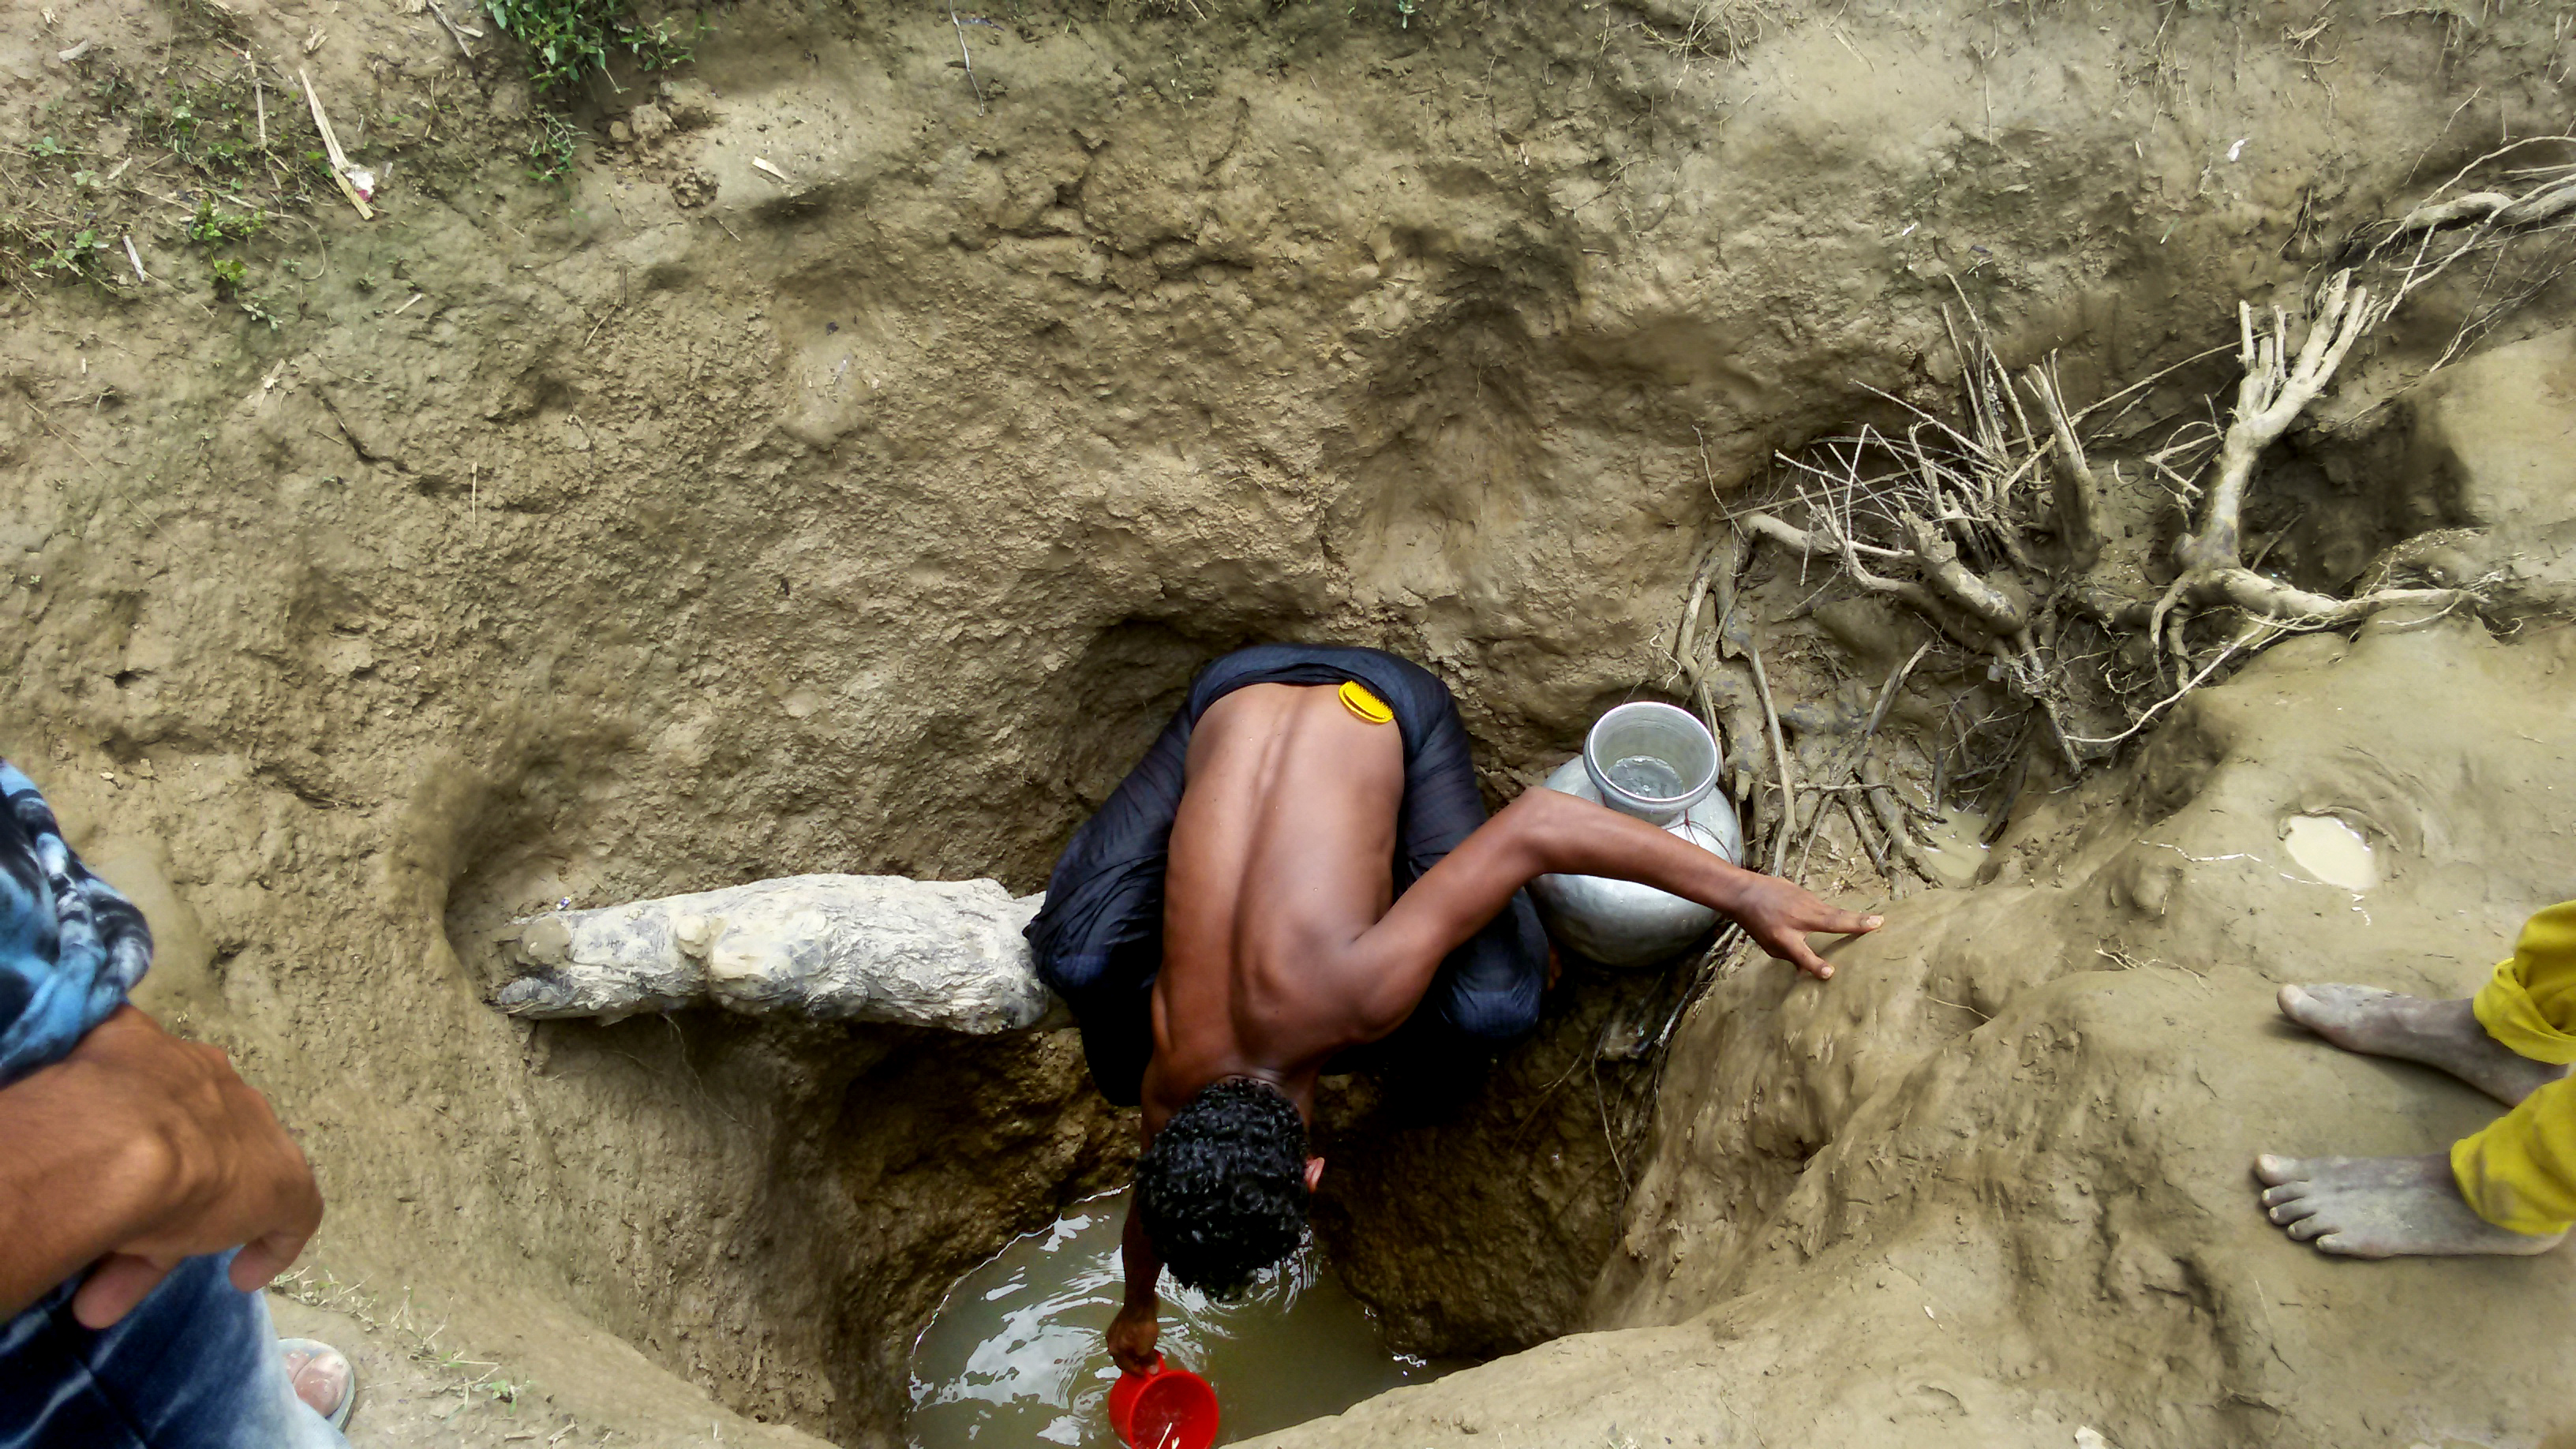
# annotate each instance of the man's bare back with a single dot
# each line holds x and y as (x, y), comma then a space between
(1283, 938)
(1279, 862)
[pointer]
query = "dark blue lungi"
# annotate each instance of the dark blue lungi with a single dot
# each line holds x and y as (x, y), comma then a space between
(1099, 938)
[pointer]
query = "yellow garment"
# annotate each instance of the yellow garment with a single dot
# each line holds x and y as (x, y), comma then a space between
(1364, 704)
(2520, 1173)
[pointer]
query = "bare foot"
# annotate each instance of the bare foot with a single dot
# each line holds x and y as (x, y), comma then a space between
(2382, 1207)
(321, 1375)
(2443, 1034)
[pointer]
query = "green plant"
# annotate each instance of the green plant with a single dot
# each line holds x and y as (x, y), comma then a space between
(211, 228)
(552, 149)
(80, 255)
(1402, 10)
(568, 38)
(29, 250)
(212, 128)
(47, 148)
(260, 310)
(225, 275)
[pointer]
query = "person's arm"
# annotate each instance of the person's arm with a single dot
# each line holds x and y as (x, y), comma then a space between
(1133, 1333)
(1547, 832)
(1138, 1327)
(135, 1151)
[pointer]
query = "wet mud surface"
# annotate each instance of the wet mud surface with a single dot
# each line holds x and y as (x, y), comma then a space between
(1015, 1355)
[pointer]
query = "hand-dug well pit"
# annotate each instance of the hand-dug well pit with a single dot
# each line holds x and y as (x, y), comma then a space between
(1016, 1355)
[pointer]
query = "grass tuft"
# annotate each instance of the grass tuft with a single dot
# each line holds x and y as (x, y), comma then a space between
(568, 39)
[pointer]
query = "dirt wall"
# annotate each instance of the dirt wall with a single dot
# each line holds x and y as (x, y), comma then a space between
(1992, 1183)
(696, 525)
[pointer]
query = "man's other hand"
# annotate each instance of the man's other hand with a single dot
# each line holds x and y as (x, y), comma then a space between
(1778, 914)
(1132, 1336)
(196, 1158)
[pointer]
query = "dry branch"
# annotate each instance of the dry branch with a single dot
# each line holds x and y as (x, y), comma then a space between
(1891, 819)
(1935, 518)
(1723, 688)
(2273, 392)
(2077, 495)
(1938, 557)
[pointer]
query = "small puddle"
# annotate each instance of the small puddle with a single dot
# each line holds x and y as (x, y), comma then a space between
(1015, 1356)
(1956, 848)
(2331, 851)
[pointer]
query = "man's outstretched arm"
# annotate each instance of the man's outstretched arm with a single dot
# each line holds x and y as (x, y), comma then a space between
(1138, 1326)
(1547, 832)
(134, 1152)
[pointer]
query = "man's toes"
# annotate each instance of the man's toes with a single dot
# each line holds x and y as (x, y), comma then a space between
(2295, 1003)
(2311, 1226)
(2275, 1171)
(2328, 1007)
(2286, 1208)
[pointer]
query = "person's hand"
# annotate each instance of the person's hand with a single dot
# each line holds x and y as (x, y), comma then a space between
(201, 1158)
(1778, 914)
(1132, 1336)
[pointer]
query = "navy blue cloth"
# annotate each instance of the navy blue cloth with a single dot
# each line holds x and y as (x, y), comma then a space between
(1099, 937)
(70, 946)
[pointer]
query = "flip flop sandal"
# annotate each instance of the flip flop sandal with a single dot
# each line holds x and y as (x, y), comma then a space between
(320, 1361)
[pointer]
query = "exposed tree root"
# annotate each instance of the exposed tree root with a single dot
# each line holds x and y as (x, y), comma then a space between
(2095, 641)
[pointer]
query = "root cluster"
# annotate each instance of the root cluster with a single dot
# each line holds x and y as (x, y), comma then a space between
(1990, 529)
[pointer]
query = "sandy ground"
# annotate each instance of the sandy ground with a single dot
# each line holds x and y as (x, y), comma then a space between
(689, 526)
(414, 1391)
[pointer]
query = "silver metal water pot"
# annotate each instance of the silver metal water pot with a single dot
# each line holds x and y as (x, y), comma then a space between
(1659, 764)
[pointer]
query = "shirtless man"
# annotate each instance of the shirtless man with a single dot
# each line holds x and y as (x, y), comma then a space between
(1287, 935)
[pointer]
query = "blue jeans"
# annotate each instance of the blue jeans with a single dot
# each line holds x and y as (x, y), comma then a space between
(194, 1366)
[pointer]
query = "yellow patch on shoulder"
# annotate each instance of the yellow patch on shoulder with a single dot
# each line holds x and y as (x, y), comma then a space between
(1364, 704)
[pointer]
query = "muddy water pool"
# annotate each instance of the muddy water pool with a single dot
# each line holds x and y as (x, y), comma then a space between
(1956, 848)
(1015, 1356)
(2329, 849)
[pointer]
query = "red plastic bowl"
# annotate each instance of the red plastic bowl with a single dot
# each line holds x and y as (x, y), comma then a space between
(1167, 1409)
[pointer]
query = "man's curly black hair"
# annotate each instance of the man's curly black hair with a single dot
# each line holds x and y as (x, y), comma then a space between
(1223, 1188)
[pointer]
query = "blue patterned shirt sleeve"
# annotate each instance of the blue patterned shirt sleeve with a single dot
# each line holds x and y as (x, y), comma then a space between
(70, 946)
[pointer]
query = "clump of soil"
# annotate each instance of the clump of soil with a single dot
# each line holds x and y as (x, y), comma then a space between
(681, 521)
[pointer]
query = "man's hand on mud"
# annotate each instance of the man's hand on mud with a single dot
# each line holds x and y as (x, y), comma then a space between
(202, 1162)
(1778, 914)
(1132, 1336)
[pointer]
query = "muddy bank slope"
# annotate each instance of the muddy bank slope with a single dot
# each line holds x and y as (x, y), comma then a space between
(700, 525)
(1992, 1184)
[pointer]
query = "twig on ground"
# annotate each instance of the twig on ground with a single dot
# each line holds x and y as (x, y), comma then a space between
(1780, 757)
(2077, 494)
(339, 160)
(454, 31)
(1891, 819)
(965, 59)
